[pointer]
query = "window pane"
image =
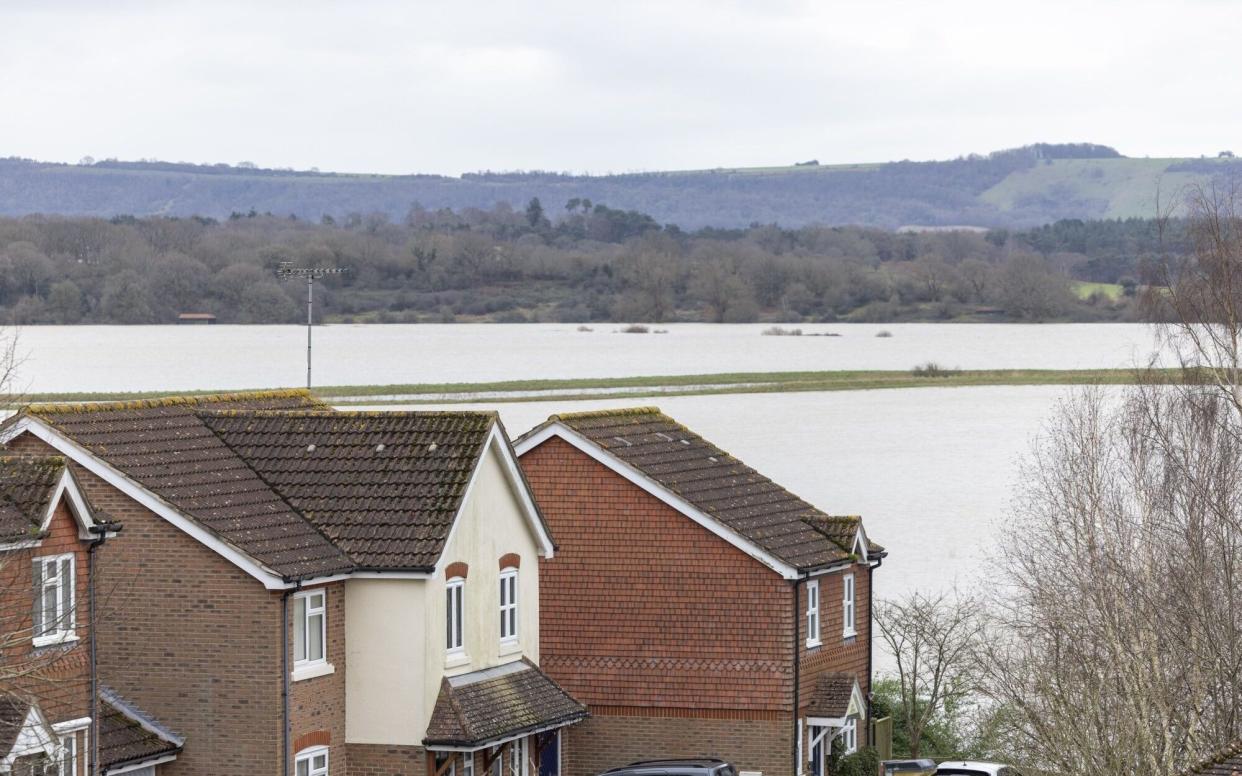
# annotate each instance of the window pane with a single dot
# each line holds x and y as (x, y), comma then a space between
(66, 594)
(316, 601)
(299, 630)
(448, 618)
(51, 620)
(314, 628)
(457, 614)
(303, 767)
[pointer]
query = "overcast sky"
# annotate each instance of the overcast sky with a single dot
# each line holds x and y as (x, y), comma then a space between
(612, 86)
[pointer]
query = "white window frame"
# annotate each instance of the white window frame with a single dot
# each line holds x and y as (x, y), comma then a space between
(65, 621)
(69, 748)
(467, 764)
(304, 660)
(510, 623)
(849, 600)
(820, 743)
(849, 735)
(812, 613)
(308, 756)
(498, 761)
(455, 616)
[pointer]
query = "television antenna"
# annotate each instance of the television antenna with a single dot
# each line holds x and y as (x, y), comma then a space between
(286, 271)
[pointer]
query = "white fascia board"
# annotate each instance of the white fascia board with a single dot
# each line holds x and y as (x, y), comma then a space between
(860, 543)
(139, 765)
(513, 472)
(557, 429)
(69, 726)
(89, 461)
(68, 489)
(500, 741)
(529, 511)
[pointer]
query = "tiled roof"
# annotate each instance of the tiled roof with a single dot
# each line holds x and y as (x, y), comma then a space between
(717, 484)
(26, 488)
(383, 486)
(497, 703)
(164, 446)
(1226, 762)
(831, 696)
(129, 736)
(13, 713)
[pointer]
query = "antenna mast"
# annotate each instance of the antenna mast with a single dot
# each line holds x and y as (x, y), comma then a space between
(286, 271)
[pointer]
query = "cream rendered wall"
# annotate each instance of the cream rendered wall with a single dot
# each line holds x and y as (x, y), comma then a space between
(395, 629)
(385, 626)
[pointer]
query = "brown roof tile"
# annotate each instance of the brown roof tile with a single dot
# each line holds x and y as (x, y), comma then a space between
(383, 486)
(163, 445)
(129, 736)
(721, 486)
(26, 488)
(497, 703)
(831, 696)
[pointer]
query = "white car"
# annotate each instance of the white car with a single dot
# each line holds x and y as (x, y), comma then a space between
(966, 768)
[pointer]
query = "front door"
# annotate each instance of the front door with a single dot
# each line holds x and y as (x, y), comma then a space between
(550, 755)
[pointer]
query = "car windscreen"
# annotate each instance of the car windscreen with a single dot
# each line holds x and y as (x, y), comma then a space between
(960, 772)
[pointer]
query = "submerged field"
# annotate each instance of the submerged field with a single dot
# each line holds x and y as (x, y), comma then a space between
(928, 376)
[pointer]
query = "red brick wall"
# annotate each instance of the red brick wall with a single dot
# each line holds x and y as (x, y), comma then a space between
(384, 760)
(837, 653)
(604, 742)
(57, 677)
(643, 607)
(317, 706)
(187, 636)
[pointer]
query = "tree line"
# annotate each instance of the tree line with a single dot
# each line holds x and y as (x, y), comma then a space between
(579, 261)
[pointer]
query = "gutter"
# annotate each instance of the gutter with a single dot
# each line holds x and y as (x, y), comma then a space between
(285, 732)
(797, 675)
(100, 533)
(871, 640)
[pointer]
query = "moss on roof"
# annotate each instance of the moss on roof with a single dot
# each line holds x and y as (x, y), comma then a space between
(171, 401)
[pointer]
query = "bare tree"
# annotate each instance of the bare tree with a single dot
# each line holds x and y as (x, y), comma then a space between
(933, 641)
(1117, 634)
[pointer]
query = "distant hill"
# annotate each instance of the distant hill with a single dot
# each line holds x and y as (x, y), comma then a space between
(1021, 187)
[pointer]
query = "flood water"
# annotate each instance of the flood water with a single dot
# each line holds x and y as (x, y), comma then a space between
(931, 470)
(153, 358)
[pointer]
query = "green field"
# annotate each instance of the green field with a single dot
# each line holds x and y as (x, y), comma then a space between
(1084, 289)
(671, 385)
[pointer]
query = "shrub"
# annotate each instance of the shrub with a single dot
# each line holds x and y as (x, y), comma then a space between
(932, 369)
(883, 333)
(635, 328)
(778, 331)
(864, 762)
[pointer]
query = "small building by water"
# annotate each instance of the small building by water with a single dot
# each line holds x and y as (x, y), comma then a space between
(205, 318)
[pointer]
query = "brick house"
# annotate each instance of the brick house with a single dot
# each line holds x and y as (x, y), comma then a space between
(49, 535)
(695, 606)
(317, 593)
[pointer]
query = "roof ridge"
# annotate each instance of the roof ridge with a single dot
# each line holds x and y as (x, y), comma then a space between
(175, 400)
(330, 411)
(139, 715)
(618, 411)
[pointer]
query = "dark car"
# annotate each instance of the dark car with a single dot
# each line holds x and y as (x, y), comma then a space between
(693, 767)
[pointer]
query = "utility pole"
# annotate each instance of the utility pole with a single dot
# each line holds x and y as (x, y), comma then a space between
(286, 271)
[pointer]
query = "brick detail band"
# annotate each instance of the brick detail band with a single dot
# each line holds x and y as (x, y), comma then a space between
(317, 738)
(653, 711)
(457, 569)
(510, 560)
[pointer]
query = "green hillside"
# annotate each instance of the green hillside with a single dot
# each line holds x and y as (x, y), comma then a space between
(1016, 188)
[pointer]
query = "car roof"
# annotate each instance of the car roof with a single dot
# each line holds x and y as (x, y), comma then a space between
(975, 764)
(700, 762)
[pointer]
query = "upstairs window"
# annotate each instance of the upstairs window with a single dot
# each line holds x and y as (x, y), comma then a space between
(847, 606)
(455, 612)
(312, 762)
(54, 600)
(812, 613)
(310, 628)
(509, 604)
